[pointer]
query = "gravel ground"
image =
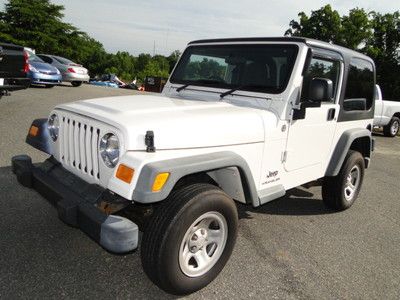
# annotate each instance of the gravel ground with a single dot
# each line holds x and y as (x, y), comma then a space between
(292, 248)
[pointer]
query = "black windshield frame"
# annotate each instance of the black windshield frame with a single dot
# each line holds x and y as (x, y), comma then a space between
(277, 89)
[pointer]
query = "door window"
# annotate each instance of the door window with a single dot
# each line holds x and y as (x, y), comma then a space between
(321, 68)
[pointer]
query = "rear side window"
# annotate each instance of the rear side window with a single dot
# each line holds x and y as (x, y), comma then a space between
(360, 88)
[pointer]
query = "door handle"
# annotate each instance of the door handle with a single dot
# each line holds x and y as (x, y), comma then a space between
(331, 114)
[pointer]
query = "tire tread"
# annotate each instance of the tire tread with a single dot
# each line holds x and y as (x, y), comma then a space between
(332, 186)
(387, 129)
(150, 250)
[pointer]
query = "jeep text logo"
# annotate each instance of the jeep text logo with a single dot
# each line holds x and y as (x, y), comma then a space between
(272, 174)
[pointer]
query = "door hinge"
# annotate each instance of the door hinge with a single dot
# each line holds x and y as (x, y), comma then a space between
(284, 156)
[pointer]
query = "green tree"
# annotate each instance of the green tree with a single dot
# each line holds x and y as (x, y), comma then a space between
(371, 33)
(38, 24)
(35, 21)
(173, 58)
(355, 30)
(384, 48)
(310, 26)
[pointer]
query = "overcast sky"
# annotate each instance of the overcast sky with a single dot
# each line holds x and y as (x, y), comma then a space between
(133, 25)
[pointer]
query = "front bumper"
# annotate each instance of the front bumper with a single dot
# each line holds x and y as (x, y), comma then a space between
(40, 78)
(77, 203)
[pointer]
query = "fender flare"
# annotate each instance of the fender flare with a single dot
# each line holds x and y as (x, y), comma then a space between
(180, 167)
(42, 141)
(343, 146)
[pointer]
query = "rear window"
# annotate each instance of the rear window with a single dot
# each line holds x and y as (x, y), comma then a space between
(32, 57)
(360, 88)
(63, 60)
(46, 58)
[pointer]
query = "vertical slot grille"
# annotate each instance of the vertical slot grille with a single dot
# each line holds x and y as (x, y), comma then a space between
(78, 146)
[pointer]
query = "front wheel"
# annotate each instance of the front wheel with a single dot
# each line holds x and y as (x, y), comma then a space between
(76, 83)
(190, 238)
(340, 192)
(392, 129)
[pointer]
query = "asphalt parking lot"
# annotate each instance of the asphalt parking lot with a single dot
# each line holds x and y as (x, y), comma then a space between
(292, 248)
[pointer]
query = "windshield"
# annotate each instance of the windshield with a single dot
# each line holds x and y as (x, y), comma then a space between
(63, 60)
(32, 57)
(260, 68)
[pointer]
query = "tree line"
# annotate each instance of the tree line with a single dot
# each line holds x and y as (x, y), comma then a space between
(374, 34)
(39, 24)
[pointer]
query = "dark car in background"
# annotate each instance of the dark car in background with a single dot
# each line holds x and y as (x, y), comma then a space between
(71, 72)
(13, 68)
(41, 72)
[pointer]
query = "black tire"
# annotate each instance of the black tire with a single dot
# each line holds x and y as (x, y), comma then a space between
(163, 238)
(76, 83)
(392, 129)
(334, 193)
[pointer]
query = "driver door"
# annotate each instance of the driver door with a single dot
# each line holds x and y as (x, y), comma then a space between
(310, 139)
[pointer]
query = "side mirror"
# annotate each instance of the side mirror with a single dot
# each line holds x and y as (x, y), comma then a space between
(321, 90)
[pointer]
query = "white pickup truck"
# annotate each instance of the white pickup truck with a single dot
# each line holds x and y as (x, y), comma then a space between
(387, 114)
(239, 120)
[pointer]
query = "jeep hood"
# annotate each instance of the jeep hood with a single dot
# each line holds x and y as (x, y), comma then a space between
(176, 123)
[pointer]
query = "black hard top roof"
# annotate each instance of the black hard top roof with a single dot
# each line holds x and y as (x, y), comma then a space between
(308, 41)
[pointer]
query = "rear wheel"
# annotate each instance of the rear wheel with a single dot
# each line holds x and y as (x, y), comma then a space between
(340, 192)
(76, 83)
(190, 238)
(392, 129)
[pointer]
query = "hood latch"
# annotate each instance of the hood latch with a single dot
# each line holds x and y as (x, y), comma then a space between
(149, 141)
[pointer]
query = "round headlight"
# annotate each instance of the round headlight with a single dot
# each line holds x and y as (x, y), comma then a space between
(54, 126)
(109, 149)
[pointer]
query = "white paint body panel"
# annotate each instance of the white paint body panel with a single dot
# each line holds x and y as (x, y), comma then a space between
(177, 123)
(384, 110)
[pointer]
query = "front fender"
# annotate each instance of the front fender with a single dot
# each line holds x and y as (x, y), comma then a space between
(178, 168)
(42, 140)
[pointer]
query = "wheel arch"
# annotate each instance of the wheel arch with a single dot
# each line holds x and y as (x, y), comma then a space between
(353, 139)
(226, 169)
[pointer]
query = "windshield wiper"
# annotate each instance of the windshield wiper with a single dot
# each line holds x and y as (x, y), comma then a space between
(182, 87)
(203, 81)
(222, 95)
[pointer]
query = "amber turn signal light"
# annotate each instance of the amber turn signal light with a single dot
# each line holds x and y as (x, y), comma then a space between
(125, 173)
(33, 131)
(159, 181)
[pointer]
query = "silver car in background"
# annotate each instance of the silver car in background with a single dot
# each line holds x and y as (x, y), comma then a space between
(71, 72)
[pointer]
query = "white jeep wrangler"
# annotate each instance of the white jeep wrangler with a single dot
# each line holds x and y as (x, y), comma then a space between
(239, 120)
